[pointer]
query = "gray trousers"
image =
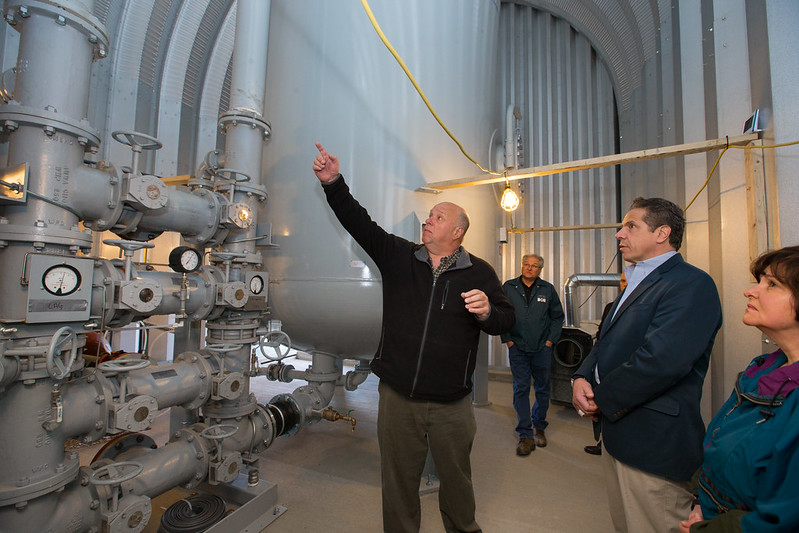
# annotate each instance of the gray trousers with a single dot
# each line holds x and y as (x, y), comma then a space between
(405, 429)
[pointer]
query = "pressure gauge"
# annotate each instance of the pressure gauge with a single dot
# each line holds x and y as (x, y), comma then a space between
(184, 259)
(61, 280)
(256, 284)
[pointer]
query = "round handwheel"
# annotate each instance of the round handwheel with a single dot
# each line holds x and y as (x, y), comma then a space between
(59, 367)
(223, 348)
(219, 431)
(115, 473)
(281, 340)
(232, 175)
(124, 364)
(134, 139)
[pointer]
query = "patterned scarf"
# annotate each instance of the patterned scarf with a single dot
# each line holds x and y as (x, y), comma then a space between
(444, 263)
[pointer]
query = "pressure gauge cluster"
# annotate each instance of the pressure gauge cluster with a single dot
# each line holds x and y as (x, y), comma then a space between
(185, 259)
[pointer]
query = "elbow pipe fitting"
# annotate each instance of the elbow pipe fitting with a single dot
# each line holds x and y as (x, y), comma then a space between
(356, 377)
(576, 280)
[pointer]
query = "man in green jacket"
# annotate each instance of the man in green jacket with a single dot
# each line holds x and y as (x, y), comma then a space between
(539, 320)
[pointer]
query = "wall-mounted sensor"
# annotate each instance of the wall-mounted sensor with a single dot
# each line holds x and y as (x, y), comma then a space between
(752, 124)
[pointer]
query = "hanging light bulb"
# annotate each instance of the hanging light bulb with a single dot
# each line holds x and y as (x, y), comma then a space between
(510, 200)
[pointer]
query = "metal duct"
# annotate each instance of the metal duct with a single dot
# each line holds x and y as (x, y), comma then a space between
(578, 280)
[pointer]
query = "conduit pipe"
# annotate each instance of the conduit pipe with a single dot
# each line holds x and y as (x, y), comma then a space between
(511, 161)
(578, 280)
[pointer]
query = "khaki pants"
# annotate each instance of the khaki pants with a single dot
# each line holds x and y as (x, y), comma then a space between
(641, 502)
(405, 429)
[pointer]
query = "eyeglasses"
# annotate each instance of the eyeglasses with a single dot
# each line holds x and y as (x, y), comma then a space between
(534, 266)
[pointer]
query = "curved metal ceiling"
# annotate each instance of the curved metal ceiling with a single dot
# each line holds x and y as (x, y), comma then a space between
(624, 33)
(174, 47)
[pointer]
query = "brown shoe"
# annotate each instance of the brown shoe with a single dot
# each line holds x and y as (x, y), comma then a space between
(540, 438)
(525, 446)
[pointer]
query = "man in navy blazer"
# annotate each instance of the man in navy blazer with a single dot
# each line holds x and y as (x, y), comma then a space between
(642, 381)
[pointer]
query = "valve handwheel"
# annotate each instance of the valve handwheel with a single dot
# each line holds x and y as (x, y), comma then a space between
(58, 366)
(134, 139)
(115, 473)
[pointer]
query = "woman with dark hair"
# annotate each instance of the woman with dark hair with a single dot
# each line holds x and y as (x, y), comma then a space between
(749, 480)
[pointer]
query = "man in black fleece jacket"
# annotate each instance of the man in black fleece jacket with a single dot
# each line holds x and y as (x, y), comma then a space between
(436, 299)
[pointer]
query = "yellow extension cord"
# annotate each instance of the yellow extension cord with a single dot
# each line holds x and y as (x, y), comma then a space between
(405, 69)
(416, 86)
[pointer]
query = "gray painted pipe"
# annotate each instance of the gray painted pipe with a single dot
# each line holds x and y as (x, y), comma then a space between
(577, 280)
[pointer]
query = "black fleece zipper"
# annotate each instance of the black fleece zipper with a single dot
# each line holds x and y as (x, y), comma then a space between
(424, 337)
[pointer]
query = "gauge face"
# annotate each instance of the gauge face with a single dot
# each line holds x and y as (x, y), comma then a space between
(256, 284)
(61, 280)
(184, 259)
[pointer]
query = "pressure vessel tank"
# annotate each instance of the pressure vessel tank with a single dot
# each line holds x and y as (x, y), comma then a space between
(331, 79)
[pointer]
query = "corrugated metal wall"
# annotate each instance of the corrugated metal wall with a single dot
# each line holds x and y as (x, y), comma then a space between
(565, 95)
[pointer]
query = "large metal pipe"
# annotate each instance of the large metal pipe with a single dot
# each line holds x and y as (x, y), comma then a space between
(578, 280)
(244, 124)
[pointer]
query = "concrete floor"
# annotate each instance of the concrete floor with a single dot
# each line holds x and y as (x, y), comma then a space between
(328, 476)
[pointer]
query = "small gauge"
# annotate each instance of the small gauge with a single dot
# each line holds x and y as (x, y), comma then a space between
(184, 259)
(256, 284)
(61, 280)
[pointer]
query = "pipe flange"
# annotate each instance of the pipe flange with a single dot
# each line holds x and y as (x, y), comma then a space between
(122, 443)
(65, 14)
(18, 114)
(141, 295)
(223, 413)
(46, 235)
(243, 117)
(28, 489)
(135, 415)
(268, 425)
(228, 387)
(211, 228)
(202, 453)
(299, 410)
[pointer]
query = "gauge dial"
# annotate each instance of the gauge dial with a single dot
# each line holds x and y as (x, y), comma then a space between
(184, 259)
(256, 284)
(61, 280)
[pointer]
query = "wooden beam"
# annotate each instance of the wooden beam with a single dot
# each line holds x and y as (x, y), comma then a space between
(566, 228)
(596, 162)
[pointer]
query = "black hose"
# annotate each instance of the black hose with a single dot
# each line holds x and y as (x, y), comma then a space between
(194, 514)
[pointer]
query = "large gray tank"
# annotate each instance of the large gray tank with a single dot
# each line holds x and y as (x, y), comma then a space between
(354, 98)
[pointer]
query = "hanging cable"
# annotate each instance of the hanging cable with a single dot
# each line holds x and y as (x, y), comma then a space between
(750, 147)
(405, 69)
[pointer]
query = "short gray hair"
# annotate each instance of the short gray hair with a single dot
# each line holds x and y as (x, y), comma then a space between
(524, 258)
(463, 220)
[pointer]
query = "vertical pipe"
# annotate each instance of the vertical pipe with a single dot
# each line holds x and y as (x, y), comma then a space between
(244, 143)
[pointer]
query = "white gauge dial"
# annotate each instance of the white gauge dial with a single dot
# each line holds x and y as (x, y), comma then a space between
(256, 284)
(184, 259)
(61, 280)
(190, 260)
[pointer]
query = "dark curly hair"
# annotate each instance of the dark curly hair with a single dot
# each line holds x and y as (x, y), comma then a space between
(784, 265)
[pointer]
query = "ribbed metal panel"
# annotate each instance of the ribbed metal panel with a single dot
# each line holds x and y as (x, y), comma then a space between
(624, 33)
(565, 93)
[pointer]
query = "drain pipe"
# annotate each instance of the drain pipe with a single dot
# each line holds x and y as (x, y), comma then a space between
(577, 280)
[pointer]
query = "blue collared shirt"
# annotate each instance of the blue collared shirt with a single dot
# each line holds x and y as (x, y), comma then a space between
(637, 272)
